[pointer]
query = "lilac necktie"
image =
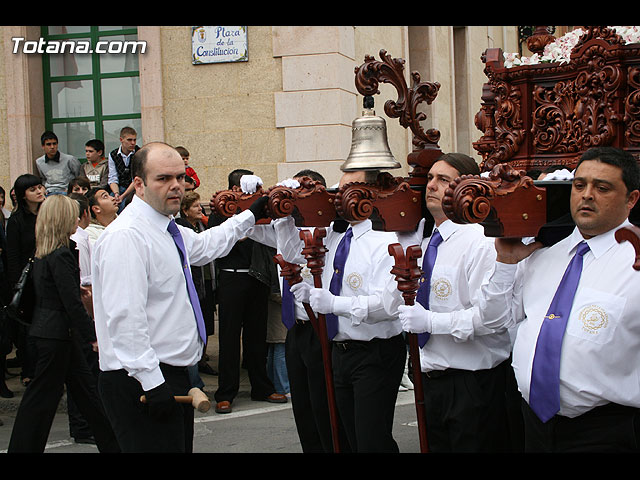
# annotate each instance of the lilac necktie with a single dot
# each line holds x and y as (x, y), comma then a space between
(191, 289)
(424, 289)
(342, 252)
(288, 305)
(544, 397)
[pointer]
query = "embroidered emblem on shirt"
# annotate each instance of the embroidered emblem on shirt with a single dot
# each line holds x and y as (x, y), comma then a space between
(354, 280)
(593, 319)
(442, 288)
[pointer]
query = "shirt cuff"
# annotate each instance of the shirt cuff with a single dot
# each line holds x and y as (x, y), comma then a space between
(149, 378)
(504, 272)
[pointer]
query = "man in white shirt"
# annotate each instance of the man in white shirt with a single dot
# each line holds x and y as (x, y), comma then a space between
(146, 324)
(463, 363)
(369, 351)
(104, 210)
(303, 353)
(589, 395)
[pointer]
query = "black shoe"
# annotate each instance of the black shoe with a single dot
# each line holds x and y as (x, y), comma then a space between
(87, 440)
(204, 367)
(5, 392)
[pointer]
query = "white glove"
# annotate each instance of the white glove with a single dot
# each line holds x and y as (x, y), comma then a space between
(563, 174)
(415, 318)
(289, 183)
(321, 300)
(406, 239)
(250, 183)
(301, 291)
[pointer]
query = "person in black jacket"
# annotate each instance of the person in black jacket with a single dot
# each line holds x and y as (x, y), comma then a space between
(21, 245)
(60, 322)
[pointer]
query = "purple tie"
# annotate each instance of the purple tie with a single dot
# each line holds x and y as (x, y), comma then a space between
(193, 296)
(544, 397)
(424, 289)
(342, 252)
(288, 305)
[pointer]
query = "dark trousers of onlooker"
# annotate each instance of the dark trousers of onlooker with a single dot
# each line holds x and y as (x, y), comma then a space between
(465, 410)
(136, 430)
(367, 376)
(242, 319)
(309, 401)
(59, 363)
(79, 427)
(610, 428)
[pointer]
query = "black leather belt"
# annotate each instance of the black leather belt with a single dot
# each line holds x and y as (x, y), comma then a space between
(347, 344)
(433, 374)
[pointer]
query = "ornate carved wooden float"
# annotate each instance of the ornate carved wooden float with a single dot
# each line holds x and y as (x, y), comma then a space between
(539, 115)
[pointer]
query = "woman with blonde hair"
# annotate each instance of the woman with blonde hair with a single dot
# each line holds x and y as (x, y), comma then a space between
(60, 323)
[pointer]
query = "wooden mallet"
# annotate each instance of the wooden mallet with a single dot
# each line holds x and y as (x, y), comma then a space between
(195, 397)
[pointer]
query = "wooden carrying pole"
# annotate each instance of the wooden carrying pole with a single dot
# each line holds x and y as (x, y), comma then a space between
(407, 275)
(314, 251)
(291, 272)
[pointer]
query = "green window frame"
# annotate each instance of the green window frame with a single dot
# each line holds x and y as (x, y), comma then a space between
(99, 120)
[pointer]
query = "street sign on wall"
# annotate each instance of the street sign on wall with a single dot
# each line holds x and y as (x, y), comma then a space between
(218, 44)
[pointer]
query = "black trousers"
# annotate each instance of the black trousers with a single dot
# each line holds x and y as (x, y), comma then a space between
(136, 430)
(309, 401)
(609, 428)
(465, 410)
(78, 425)
(59, 363)
(242, 319)
(366, 378)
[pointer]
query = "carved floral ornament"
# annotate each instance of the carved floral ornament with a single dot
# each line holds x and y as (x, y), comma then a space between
(560, 49)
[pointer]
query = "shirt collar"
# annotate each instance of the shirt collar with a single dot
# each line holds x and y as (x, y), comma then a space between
(446, 229)
(361, 228)
(598, 244)
(154, 217)
(56, 157)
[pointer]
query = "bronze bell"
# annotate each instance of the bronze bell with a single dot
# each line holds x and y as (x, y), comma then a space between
(369, 146)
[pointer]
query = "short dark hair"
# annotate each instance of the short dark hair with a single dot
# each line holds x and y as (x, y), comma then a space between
(96, 144)
(91, 198)
(311, 174)
(182, 151)
(128, 131)
(234, 177)
(618, 158)
(80, 181)
(48, 135)
(83, 202)
(464, 164)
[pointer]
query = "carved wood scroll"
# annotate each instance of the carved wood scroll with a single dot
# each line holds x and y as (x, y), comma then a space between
(405, 108)
(391, 203)
(507, 203)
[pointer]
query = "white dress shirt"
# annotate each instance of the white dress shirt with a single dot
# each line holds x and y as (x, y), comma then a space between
(600, 359)
(142, 310)
(266, 235)
(458, 337)
(366, 271)
(84, 255)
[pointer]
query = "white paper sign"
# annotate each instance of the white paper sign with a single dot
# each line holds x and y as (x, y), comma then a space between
(219, 44)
